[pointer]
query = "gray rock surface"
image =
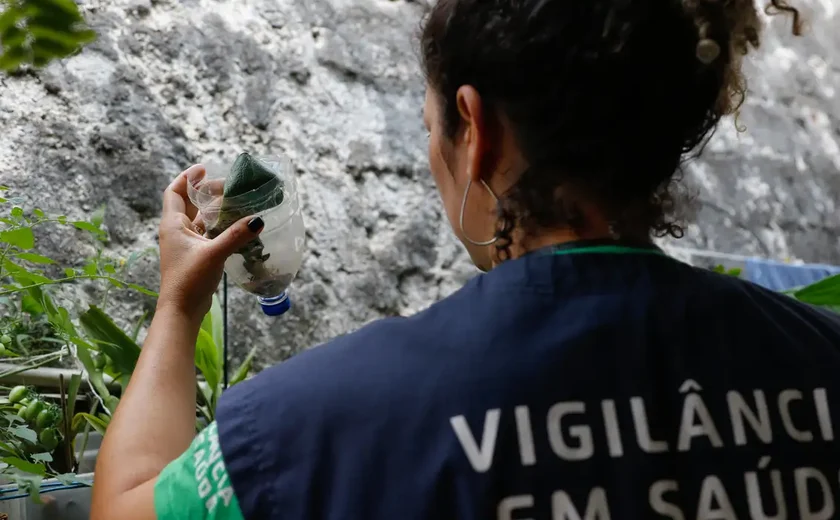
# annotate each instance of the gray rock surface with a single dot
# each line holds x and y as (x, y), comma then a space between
(335, 85)
(773, 190)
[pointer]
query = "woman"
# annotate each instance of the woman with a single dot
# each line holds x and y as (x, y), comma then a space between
(585, 375)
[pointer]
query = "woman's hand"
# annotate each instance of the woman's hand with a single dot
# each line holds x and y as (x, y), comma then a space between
(191, 265)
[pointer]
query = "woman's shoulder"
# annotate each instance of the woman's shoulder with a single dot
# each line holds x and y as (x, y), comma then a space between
(378, 351)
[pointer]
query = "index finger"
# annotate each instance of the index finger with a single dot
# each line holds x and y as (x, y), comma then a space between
(176, 198)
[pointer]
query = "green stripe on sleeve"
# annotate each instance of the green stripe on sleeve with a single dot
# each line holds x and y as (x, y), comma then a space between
(195, 486)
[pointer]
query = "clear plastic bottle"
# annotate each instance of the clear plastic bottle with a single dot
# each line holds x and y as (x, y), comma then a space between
(267, 266)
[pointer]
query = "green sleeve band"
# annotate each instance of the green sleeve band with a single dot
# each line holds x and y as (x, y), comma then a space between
(195, 486)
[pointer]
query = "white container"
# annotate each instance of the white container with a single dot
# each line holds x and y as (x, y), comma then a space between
(268, 265)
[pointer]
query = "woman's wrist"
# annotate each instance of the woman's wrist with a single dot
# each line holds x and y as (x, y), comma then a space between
(181, 313)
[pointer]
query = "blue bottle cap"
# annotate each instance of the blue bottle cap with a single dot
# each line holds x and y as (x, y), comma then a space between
(276, 305)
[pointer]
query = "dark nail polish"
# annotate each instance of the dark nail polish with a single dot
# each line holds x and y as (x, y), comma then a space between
(256, 225)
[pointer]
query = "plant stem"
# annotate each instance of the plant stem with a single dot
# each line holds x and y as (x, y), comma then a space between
(3, 259)
(61, 281)
(46, 360)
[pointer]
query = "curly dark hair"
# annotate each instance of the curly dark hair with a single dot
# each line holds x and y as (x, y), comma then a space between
(606, 98)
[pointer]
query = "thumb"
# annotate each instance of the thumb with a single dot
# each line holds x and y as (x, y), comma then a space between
(237, 236)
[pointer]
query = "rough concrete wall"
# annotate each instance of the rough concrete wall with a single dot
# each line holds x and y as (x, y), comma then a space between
(334, 84)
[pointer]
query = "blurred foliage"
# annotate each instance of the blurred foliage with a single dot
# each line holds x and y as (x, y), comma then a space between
(824, 293)
(36, 32)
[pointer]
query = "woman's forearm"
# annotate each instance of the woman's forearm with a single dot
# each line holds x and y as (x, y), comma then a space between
(155, 420)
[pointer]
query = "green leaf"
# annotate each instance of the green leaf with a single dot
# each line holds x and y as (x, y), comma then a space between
(42, 457)
(90, 269)
(12, 418)
(62, 219)
(110, 339)
(24, 433)
(213, 323)
(17, 212)
(2, 200)
(108, 268)
(61, 40)
(35, 259)
(69, 273)
(143, 290)
(13, 57)
(72, 393)
(139, 325)
(98, 217)
(203, 393)
(61, 320)
(13, 37)
(38, 213)
(68, 479)
(28, 467)
(4, 188)
(30, 305)
(94, 375)
(60, 8)
(8, 19)
(97, 423)
(27, 278)
(244, 368)
(43, 301)
(7, 448)
(87, 226)
(207, 360)
(30, 484)
(13, 267)
(826, 292)
(22, 238)
(116, 283)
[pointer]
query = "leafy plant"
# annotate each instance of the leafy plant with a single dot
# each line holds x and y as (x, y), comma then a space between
(109, 352)
(35, 32)
(825, 293)
(31, 285)
(22, 335)
(731, 272)
(209, 359)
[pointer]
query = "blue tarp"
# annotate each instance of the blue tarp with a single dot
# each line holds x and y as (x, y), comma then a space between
(779, 276)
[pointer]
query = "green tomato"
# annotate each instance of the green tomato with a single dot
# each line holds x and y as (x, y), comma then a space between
(33, 410)
(18, 394)
(22, 412)
(5, 338)
(49, 438)
(2, 349)
(46, 418)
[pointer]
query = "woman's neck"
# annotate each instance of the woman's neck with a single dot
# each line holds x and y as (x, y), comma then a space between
(522, 245)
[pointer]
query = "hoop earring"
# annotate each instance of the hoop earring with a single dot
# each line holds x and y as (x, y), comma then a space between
(461, 218)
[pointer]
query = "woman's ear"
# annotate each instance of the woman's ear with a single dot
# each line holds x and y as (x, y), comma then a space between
(475, 137)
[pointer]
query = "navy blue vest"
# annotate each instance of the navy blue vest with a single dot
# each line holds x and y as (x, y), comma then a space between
(578, 384)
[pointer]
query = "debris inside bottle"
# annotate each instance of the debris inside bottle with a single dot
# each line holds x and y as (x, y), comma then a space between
(251, 188)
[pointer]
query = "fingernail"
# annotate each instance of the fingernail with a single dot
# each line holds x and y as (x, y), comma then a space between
(256, 224)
